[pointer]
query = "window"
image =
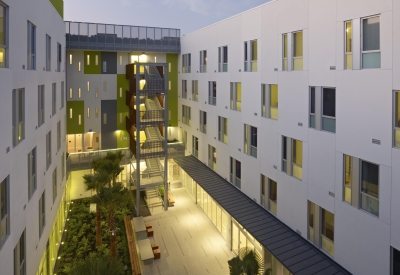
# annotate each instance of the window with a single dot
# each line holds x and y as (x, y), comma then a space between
(80, 119)
(88, 112)
(184, 88)
(269, 192)
(31, 46)
(120, 60)
(195, 90)
(59, 57)
(371, 53)
(347, 179)
(96, 60)
(4, 209)
(54, 177)
(104, 66)
(186, 63)
(203, 61)
(223, 129)
(48, 150)
(269, 97)
(97, 92)
(323, 117)
(235, 170)
(48, 53)
(236, 96)
(62, 94)
(186, 115)
(42, 213)
(79, 93)
(53, 99)
(70, 112)
(212, 157)
(70, 93)
(321, 236)
(105, 86)
(62, 166)
(250, 140)
(312, 107)
(18, 116)
(298, 51)
(348, 58)
(120, 91)
(395, 266)
(253, 55)
(32, 181)
(3, 34)
(88, 86)
(203, 122)
(96, 112)
(195, 146)
(285, 52)
(58, 135)
(292, 154)
(396, 120)
(223, 59)
(246, 56)
(88, 60)
(20, 256)
(212, 93)
(41, 98)
(79, 66)
(70, 59)
(184, 138)
(370, 187)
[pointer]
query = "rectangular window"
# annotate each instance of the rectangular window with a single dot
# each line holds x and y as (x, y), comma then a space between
(298, 50)
(48, 150)
(96, 60)
(212, 157)
(58, 135)
(246, 56)
(59, 57)
(120, 60)
(70, 112)
(88, 60)
(195, 146)
(195, 90)
(371, 51)
(32, 181)
(105, 118)
(184, 89)
(80, 120)
(105, 86)
(236, 172)
(70, 93)
(88, 112)
(184, 138)
(223, 59)
(79, 66)
(48, 53)
(62, 94)
(62, 166)
(18, 116)
(120, 92)
(53, 99)
(273, 101)
(396, 120)
(348, 58)
(41, 104)
(96, 112)
(311, 210)
(269, 193)
(88, 86)
(169, 85)
(370, 187)
(250, 140)
(223, 129)
(3, 35)
(20, 256)
(54, 177)
(212, 93)
(395, 261)
(203, 122)
(327, 232)
(203, 61)
(169, 67)
(236, 96)
(297, 158)
(42, 213)
(70, 59)
(31, 46)
(285, 52)
(186, 115)
(284, 154)
(347, 179)
(253, 55)
(312, 107)
(186, 63)
(79, 93)
(329, 110)
(263, 100)
(4, 209)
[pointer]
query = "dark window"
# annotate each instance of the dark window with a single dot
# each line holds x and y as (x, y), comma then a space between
(312, 99)
(329, 102)
(396, 262)
(254, 136)
(238, 169)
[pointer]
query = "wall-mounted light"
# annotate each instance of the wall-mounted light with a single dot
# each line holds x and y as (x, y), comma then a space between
(143, 58)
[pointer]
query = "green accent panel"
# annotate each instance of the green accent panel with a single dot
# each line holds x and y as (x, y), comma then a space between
(59, 6)
(123, 83)
(173, 93)
(78, 108)
(92, 68)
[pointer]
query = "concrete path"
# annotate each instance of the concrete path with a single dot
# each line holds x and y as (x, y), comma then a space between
(188, 241)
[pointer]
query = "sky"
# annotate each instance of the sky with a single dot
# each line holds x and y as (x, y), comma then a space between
(186, 15)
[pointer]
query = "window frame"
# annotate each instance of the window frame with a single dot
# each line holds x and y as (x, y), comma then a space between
(5, 208)
(270, 107)
(48, 53)
(294, 57)
(195, 146)
(253, 62)
(18, 116)
(48, 150)
(361, 193)
(31, 46)
(184, 89)
(362, 42)
(41, 105)
(235, 104)
(203, 121)
(322, 109)
(195, 90)
(346, 53)
(396, 109)
(42, 213)
(235, 173)
(54, 184)
(203, 61)
(59, 57)
(53, 99)
(285, 53)
(5, 35)
(222, 126)
(32, 172)
(222, 57)
(212, 100)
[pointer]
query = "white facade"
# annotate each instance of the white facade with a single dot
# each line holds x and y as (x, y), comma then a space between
(23, 213)
(364, 111)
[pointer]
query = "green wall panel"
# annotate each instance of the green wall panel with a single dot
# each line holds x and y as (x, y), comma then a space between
(123, 83)
(59, 6)
(173, 93)
(92, 68)
(78, 108)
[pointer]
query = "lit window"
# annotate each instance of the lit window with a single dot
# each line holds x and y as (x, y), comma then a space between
(3, 36)
(348, 45)
(298, 50)
(169, 85)
(88, 86)
(269, 194)
(347, 179)
(70, 113)
(120, 60)
(79, 66)
(273, 101)
(97, 92)
(169, 67)
(88, 60)
(4, 209)
(70, 92)
(285, 52)
(79, 120)
(195, 90)
(97, 112)
(79, 93)
(120, 91)
(297, 158)
(236, 96)
(70, 59)
(396, 119)
(18, 116)
(88, 112)
(96, 60)
(105, 118)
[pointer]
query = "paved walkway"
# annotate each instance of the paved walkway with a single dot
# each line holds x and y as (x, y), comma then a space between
(188, 241)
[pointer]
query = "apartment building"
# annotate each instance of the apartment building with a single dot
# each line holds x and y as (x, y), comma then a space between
(296, 103)
(33, 191)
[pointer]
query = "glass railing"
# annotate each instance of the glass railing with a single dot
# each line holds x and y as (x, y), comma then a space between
(93, 36)
(82, 160)
(328, 246)
(176, 149)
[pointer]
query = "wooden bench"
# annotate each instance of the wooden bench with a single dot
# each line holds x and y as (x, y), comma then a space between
(157, 253)
(133, 255)
(150, 232)
(171, 200)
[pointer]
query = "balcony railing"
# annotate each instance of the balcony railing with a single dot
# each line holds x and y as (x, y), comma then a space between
(94, 36)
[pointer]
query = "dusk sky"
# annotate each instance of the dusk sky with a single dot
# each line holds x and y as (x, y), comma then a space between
(187, 15)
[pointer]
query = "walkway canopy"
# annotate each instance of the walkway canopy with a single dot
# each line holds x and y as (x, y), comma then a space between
(298, 255)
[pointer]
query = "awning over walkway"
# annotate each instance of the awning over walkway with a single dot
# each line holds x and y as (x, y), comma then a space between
(297, 254)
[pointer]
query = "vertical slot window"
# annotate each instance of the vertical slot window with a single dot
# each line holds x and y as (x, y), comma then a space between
(327, 232)
(297, 159)
(312, 107)
(329, 110)
(285, 52)
(371, 53)
(253, 55)
(31, 46)
(298, 51)
(263, 100)
(370, 187)
(347, 179)
(273, 101)
(3, 35)
(349, 45)
(397, 119)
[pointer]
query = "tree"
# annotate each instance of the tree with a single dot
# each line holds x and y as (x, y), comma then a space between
(111, 164)
(247, 263)
(110, 198)
(97, 264)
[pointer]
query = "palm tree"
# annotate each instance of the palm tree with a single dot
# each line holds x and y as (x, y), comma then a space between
(111, 164)
(247, 263)
(94, 183)
(97, 265)
(110, 198)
